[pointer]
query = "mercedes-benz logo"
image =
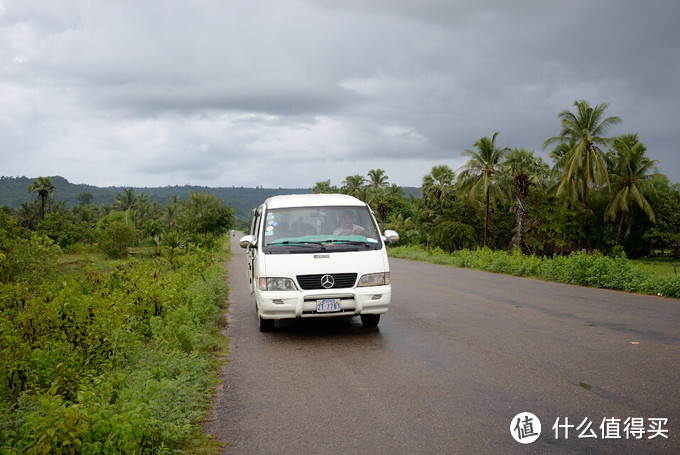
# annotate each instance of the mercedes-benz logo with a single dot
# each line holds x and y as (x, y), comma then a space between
(327, 281)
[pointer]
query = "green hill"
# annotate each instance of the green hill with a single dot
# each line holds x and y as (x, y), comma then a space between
(13, 192)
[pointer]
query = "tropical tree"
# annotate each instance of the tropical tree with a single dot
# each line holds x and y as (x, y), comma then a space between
(479, 177)
(379, 201)
(525, 170)
(377, 179)
(438, 189)
(126, 201)
(363, 194)
(173, 241)
(631, 177)
(84, 198)
(44, 187)
(324, 187)
(171, 211)
(205, 215)
(666, 229)
(352, 184)
(583, 162)
(142, 210)
(26, 214)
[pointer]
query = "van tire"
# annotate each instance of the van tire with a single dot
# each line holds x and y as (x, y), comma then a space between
(266, 325)
(370, 320)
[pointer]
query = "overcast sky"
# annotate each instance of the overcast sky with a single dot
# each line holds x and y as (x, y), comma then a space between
(286, 93)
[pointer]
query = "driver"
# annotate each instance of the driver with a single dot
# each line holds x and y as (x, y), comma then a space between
(347, 226)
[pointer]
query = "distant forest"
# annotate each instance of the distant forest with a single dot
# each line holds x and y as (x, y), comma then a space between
(14, 192)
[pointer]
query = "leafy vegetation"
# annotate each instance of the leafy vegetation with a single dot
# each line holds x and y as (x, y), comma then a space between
(13, 193)
(114, 357)
(602, 193)
(595, 270)
(603, 197)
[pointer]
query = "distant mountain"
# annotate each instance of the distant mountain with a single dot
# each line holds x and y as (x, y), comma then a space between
(13, 192)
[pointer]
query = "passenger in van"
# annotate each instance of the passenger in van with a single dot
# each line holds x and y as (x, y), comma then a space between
(300, 228)
(347, 226)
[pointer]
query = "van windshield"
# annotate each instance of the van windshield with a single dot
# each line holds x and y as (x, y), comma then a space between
(309, 229)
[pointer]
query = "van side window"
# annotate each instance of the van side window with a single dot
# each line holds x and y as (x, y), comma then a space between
(255, 227)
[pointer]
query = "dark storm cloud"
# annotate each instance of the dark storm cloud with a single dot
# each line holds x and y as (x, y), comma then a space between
(287, 94)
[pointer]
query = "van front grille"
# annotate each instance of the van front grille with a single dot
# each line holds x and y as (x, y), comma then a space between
(322, 281)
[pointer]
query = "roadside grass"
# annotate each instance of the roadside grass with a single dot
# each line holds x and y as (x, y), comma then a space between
(660, 266)
(73, 262)
(113, 356)
(594, 270)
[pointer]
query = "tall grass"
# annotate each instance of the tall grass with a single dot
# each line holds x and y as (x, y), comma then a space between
(594, 270)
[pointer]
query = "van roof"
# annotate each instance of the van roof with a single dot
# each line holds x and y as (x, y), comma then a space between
(311, 200)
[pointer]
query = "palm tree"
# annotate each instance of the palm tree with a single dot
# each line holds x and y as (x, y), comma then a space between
(631, 179)
(142, 210)
(525, 170)
(126, 200)
(567, 186)
(377, 179)
(26, 214)
(324, 186)
(437, 189)
(400, 223)
(352, 184)
(44, 187)
(379, 201)
(585, 130)
(479, 174)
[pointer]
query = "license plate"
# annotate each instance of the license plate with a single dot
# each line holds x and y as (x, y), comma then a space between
(327, 305)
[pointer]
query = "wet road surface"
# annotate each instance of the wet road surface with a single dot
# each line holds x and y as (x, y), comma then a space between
(457, 356)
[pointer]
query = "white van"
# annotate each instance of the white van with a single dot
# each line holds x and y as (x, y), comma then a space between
(317, 255)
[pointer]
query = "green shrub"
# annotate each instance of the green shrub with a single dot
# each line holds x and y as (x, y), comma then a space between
(596, 270)
(120, 361)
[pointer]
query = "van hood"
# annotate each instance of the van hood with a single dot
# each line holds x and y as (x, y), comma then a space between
(360, 262)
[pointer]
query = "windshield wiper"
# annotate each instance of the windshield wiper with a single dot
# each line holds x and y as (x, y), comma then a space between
(321, 243)
(297, 243)
(348, 242)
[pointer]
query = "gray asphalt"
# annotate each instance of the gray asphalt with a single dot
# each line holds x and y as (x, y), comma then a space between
(457, 356)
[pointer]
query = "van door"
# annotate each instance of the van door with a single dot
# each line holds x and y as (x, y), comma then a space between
(252, 252)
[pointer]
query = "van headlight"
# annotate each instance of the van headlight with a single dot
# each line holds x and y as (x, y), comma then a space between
(276, 284)
(375, 279)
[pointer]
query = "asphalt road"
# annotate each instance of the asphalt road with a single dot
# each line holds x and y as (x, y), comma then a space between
(459, 354)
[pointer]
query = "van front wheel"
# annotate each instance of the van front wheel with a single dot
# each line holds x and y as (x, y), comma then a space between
(370, 320)
(266, 325)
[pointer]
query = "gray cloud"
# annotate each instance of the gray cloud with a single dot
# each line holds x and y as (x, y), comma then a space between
(288, 94)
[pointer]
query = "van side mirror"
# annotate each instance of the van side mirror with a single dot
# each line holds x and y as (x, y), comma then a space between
(391, 236)
(248, 241)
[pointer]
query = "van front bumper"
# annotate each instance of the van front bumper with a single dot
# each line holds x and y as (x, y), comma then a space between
(303, 304)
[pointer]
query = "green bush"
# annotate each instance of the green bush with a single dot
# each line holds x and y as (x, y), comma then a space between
(594, 270)
(121, 361)
(116, 238)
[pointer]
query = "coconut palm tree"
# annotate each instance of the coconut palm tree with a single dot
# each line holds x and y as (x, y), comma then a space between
(379, 202)
(438, 189)
(26, 214)
(324, 186)
(142, 211)
(377, 179)
(479, 177)
(352, 184)
(126, 200)
(583, 164)
(631, 176)
(44, 187)
(524, 170)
